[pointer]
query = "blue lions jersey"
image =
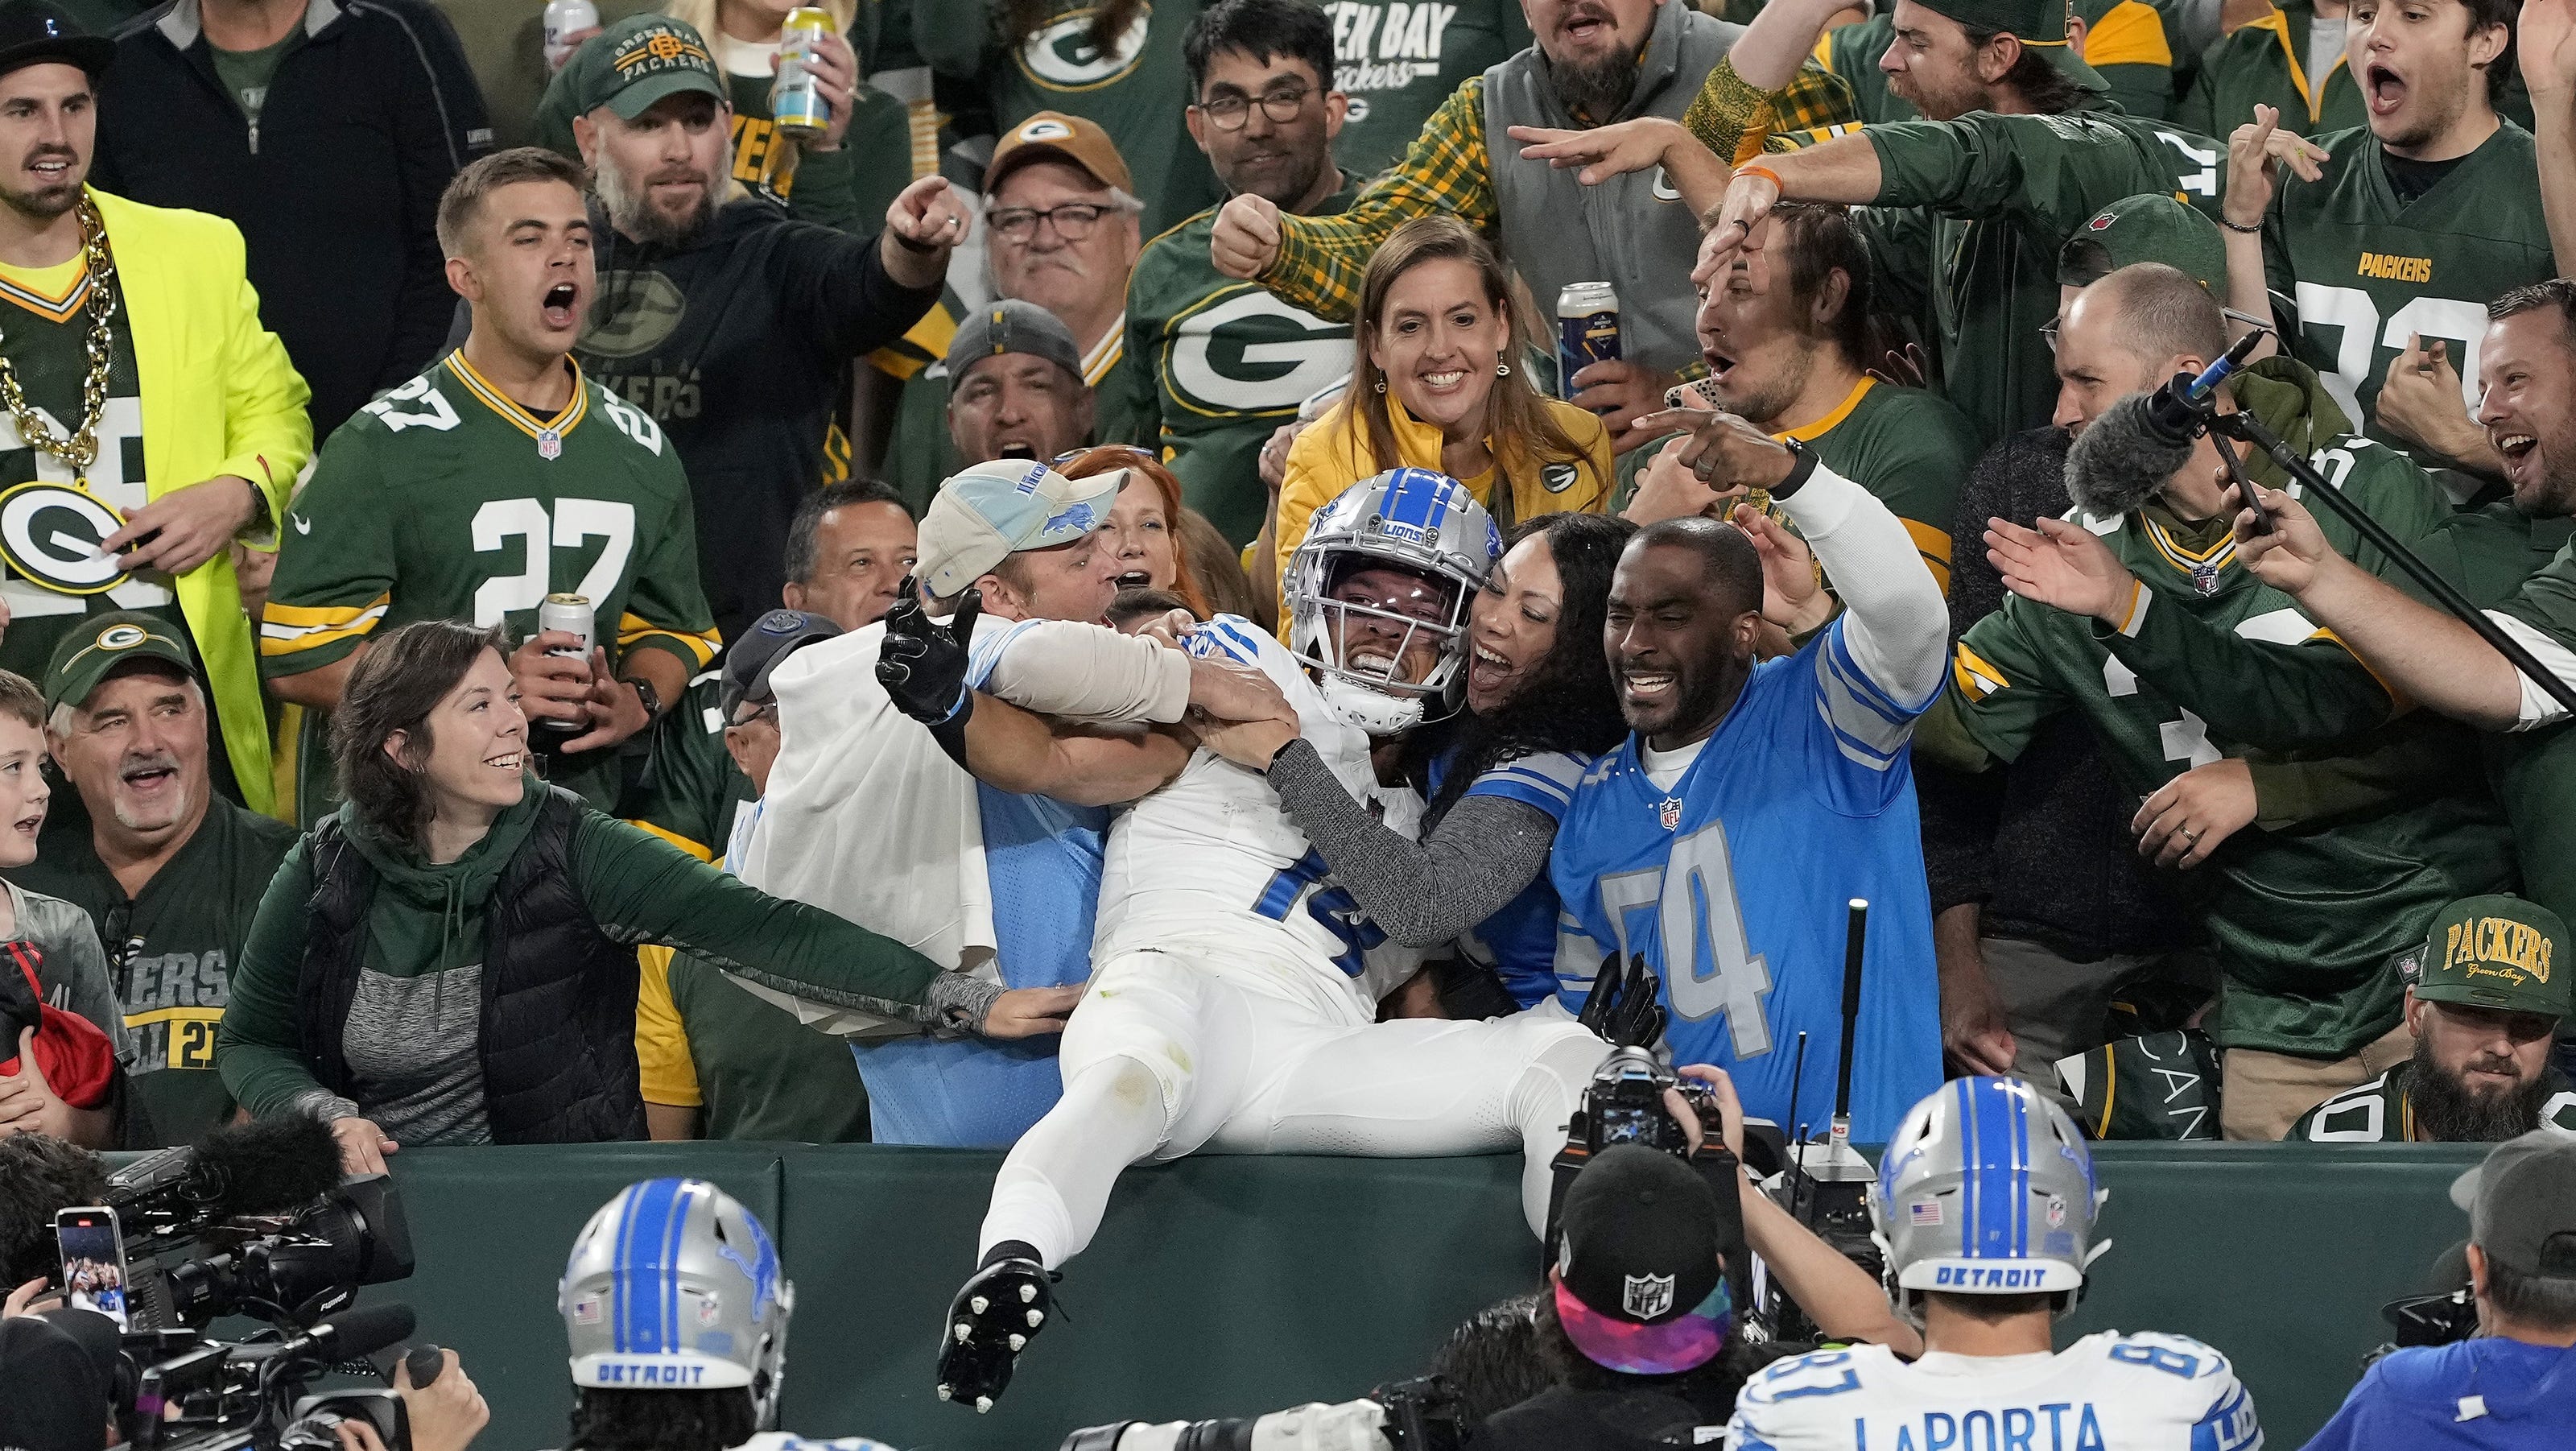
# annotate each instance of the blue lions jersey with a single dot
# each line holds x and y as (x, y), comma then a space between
(1519, 941)
(1735, 884)
(1042, 859)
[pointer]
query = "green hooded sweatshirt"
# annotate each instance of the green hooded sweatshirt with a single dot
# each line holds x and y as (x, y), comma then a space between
(412, 1030)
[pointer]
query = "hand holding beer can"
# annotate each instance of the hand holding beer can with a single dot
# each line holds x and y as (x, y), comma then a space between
(797, 103)
(1587, 330)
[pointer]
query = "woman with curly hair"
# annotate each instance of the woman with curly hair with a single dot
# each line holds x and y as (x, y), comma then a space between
(1539, 707)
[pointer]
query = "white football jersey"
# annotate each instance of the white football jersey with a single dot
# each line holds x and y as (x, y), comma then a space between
(2106, 1392)
(1213, 855)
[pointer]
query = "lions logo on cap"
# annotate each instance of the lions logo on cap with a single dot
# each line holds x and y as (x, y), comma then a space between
(121, 637)
(1647, 1296)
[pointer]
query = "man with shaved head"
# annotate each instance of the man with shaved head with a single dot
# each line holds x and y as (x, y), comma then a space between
(1752, 801)
(2307, 917)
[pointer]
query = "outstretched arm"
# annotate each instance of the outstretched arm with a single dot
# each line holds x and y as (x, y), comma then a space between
(1012, 750)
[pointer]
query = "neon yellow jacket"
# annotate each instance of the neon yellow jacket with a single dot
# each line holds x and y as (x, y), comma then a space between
(219, 397)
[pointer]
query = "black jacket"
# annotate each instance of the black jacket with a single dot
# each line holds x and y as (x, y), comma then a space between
(557, 1030)
(335, 191)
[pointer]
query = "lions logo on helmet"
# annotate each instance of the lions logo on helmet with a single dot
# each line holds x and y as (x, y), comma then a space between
(1986, 1189)
(674, 1285)
(1414, 520)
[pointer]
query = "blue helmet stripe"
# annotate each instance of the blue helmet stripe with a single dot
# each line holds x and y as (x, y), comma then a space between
(1415, 497)
(1990, 1166)
(649, 1225)
(668, 1265)
(2018, 1107)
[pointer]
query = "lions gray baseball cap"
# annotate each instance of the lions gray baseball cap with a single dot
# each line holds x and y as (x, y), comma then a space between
(1012, 326)
(988, 512)
(2522, 1204)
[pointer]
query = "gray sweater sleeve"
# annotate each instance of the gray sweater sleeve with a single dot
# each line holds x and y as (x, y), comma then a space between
(1425, 893)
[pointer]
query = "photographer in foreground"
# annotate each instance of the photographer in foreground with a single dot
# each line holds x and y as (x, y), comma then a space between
(2514, 1386)
(674, 1283)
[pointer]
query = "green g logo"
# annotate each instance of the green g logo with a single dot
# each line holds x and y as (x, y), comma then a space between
(1061, 57)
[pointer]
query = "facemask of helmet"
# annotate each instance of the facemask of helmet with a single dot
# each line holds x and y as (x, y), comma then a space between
(1415, 522)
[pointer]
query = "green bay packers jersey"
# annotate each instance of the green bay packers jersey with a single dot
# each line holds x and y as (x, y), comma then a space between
(1398, 62)
(1136, 85)
(1215, 365)
(2382, 1111)
(690, 793)
(2355, 273)
(1909, 448)
(2307, 920)
(445, 499)
(1977, 208)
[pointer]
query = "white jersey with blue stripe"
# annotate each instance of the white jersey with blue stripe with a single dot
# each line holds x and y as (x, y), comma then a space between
(1734, 885)
(2106, 1392)
(1213, 855)
(1518, 942)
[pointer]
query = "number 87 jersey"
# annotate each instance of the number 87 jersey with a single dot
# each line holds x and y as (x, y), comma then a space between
(2106, 1392)
(1735, 883)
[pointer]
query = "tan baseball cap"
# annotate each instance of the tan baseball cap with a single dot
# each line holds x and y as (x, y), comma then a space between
(1055, 136)
(987, 512)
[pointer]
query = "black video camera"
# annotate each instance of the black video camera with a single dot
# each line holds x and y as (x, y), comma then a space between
(1422, 1414)
(194, 1394)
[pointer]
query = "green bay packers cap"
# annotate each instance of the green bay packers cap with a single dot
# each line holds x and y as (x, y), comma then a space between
(637, 61)
(2497, 952)
(987, 512)
(2149, 227)
(2038, 24)
(102, 644)
(1055, 136)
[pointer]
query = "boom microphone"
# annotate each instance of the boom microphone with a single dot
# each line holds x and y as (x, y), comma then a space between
(349, 1335)
(2127, 454)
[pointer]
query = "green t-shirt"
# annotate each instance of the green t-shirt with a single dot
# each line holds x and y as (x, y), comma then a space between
(1977, 208)
(690, 792)
(1214, 365)
(445, 499)
(170, 949)
(2380, 1112)
(761, 1074)
(2354, 272)
(246, 73)
(2308, 920)
(1136, 88)
(1398, 62)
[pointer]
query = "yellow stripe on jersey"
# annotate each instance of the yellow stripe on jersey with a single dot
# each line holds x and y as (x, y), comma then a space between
(2190, 561)
(633, 628)
(517, 417)
(1977, 679)
(286, 629)
(2130, 33)
(1934, 546)
(2398, 703)
(702, 853)
(2110, 1081)
(924, 345)
(56, 294)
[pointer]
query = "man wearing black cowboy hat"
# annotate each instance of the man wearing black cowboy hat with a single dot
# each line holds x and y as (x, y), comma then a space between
(112, 313)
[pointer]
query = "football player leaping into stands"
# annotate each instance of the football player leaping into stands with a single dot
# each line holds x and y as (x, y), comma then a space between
(1984, 1206)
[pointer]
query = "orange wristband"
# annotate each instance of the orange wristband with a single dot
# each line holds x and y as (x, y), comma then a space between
(1752, 168)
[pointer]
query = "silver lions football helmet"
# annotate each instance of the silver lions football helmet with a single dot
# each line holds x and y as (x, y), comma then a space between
(673, 1285)
(1986, 1189)
(1414, 520)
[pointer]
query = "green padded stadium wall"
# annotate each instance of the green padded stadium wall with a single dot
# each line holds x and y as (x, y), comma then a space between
(1228, 1286)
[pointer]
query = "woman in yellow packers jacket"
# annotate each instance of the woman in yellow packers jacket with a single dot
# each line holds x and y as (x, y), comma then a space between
(1433, 386)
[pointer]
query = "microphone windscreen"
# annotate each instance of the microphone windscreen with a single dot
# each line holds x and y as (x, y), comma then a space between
(270, 1166)
(2121, 460)
(368, 1329)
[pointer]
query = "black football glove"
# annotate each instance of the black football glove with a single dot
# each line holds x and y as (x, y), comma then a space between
(1625, 1008)
(922, 664)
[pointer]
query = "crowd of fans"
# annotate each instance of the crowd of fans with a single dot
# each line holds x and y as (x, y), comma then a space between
(358, 470)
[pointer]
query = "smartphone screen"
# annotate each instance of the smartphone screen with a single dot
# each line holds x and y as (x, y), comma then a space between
(93, 1262)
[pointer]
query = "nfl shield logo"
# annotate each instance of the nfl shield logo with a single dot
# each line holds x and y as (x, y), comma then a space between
(1647, 1296)
(1670, 813)
(549, 445)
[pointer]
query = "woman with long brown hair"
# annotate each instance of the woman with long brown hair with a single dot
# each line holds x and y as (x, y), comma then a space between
(1434, 385)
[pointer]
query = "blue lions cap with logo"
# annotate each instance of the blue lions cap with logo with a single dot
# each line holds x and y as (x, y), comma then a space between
(988, 512)
(101, 645)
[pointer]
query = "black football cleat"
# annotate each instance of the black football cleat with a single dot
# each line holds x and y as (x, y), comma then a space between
(999, 1311)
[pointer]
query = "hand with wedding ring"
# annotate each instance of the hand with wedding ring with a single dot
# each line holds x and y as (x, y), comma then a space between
(925, 221)
(2191, 815)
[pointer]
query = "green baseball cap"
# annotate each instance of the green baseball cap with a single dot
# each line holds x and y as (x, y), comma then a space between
(2495, 952)
(101, 644)
(637, 61)
(2149, 227)
(2040, 25)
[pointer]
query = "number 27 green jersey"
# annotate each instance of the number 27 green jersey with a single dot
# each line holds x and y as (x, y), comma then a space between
(445, 499)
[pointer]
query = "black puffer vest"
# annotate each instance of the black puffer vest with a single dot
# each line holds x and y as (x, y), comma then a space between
(557, 1031)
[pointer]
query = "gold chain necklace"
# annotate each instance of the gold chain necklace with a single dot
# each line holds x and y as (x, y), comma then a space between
(79, 448)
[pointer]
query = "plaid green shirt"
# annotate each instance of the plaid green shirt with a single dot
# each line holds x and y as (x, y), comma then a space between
(1450, 169)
